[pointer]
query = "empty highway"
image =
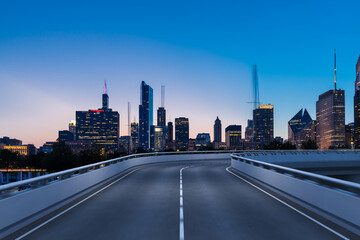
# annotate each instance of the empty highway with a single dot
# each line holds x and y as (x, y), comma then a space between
(147, 204)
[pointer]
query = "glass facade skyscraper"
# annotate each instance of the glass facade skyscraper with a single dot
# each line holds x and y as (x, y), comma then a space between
(161, 117)
(263, 120)
(330, 117)
(357, 107)
(301, 128)
(157, 138)
(145, 115)
(182, 133)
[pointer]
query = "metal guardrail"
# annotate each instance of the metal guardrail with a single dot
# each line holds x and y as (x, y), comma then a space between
(12, 188)
(345, 186)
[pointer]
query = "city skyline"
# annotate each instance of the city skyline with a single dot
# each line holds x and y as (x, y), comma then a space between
(49, 69)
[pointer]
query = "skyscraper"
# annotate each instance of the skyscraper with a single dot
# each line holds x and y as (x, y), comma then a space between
(330, 117)
(301, 128)
(157, 138)
(263, 118)
(134, 136)
(217, 130)
(145, 115)
(233, 137)
(203, 140)
(99, 127)
(161, 117)
(182, 133)
(249, 131)
(170, 134)
(357, 107)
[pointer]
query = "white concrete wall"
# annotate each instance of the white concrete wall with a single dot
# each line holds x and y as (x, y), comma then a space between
(16, 208)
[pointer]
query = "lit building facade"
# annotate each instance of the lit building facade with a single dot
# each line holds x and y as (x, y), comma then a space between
(24, 150)
(145, 115)
(263, 122)
(349, 135)
(203, 140)
(134, 136)
(124, 144)
(330, 117)
(100, 127)
(182, 133)
(157, 138)
(161, 117)
(65, 135)
(301, 128)
(233, 137)
(357, 107)
(217, 130)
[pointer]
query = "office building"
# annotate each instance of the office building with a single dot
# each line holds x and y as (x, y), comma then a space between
(23, 150)
(357, 107)
(72, 128)
(263, 122)
(65, 136)
(330, 117)
(182, 133)
(161, 117)
(157, 138)
(145, 115)
(134, 136)
(99, 127)
(217, 130)
(301, 128)
(349, 135)
(124, 144)
(203, 140)
(249, 131)
(233, 137)
(10, 141)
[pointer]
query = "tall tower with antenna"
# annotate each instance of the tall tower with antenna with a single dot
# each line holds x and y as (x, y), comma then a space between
(256, 87)
(105, 98)
(161, 112)
(335, 68)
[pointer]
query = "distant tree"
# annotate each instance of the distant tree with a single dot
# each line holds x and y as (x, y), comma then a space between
(9, 160)
(309, 144)
(60, 158)
(276, 145)
(140, 150)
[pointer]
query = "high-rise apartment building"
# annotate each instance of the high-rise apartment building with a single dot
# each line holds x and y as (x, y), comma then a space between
(145, 115)
(233, 137)
(249, 131)
(263, 120)
(182, 133)
(301, 128)
(99, 127)
(217, 130)
(330, 117)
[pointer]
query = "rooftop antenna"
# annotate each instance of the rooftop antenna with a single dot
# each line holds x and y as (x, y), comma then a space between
(129, 128)
(162, 96)
(335, 67)
(105, 88)
(256, 87)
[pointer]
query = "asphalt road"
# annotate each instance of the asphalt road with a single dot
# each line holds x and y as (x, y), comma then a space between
(216, 205)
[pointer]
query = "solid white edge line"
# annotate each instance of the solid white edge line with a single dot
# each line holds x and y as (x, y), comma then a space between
(68, 209)
(291, 207)
(181, 222)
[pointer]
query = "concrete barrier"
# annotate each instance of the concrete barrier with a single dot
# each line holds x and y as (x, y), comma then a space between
(27, 206)
(336, 205)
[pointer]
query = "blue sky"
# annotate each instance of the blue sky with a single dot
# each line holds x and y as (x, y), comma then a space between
(54, 57)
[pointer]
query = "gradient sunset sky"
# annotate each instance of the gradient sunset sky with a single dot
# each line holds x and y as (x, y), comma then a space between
(55, 55)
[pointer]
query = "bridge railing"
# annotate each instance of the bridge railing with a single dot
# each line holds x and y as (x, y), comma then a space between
(335, 200)
(15, 187)
(333, 183)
